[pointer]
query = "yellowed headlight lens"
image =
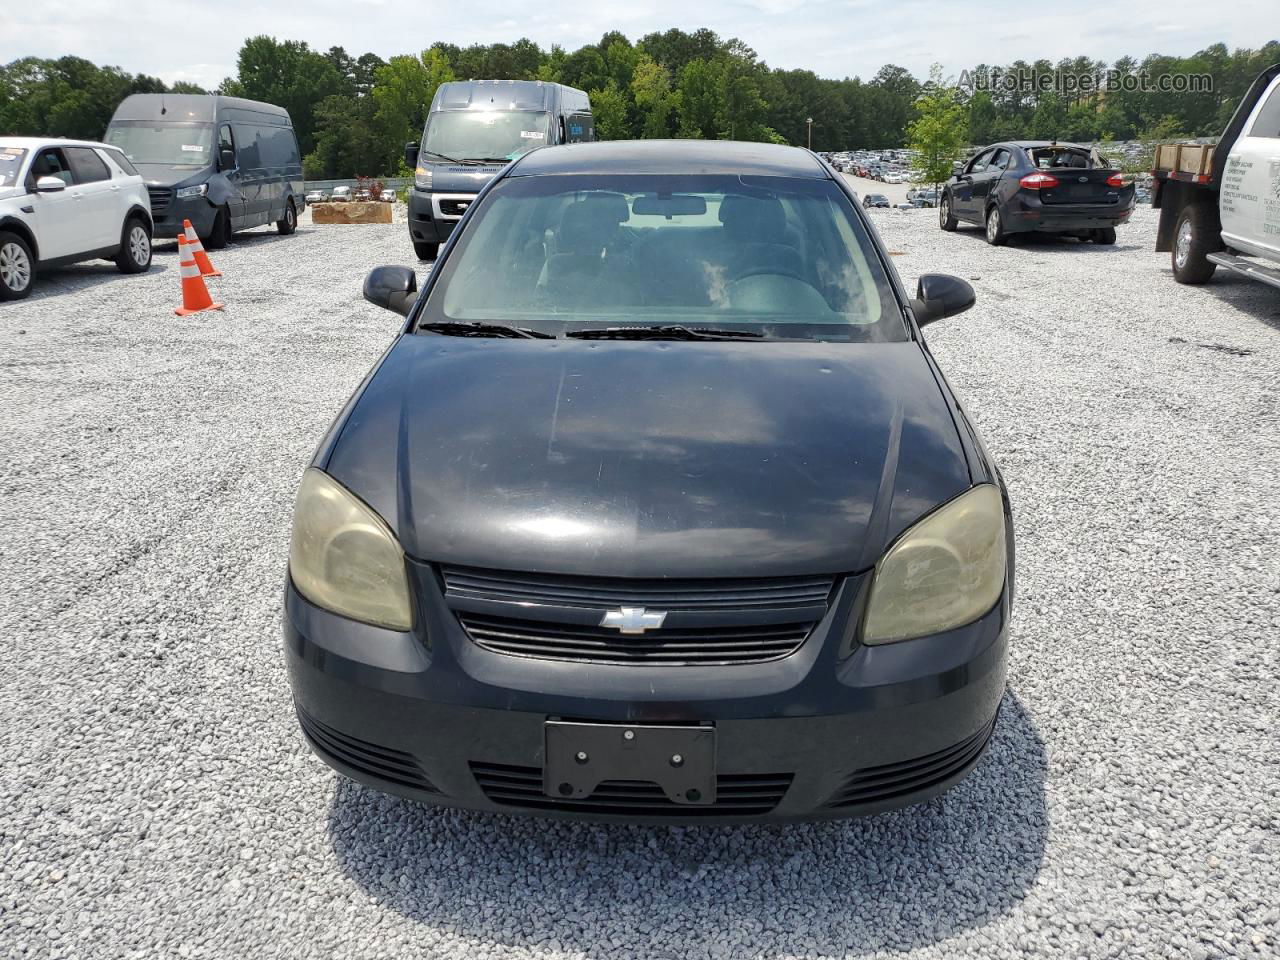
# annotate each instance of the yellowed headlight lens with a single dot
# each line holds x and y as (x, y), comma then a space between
(944, 572)
(344, 558)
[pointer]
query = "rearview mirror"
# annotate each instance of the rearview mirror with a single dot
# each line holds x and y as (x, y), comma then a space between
(226, 159)
(50, 185)
(411, 154)
(392, 288)
(674, 205)
(940, 295)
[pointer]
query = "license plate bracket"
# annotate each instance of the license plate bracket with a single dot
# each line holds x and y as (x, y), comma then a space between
(580, 756)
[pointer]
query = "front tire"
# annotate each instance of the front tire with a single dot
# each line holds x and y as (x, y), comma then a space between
(289, 222)
(220, 235)
(1194, 237)
(946, 216)
(426, 251)
(995, 228)
(17, 267)
(135, 247)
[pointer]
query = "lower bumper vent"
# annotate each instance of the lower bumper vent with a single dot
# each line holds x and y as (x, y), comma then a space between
(382, 763)
(737, 795)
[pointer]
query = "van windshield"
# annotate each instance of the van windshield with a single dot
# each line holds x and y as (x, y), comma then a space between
(485, 134)
(779, 257)
(170, 144)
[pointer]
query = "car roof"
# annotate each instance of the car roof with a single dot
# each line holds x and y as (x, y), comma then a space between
(671, 157)
(33, 143)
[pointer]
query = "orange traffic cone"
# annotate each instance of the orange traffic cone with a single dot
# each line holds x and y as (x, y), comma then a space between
(207, 269)
(195, 296)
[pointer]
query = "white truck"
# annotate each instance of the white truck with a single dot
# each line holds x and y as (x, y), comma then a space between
(1220, 204)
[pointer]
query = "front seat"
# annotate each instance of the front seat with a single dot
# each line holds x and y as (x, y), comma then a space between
(585, 267)
(755, 236)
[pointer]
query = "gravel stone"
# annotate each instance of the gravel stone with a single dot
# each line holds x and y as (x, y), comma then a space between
(157, 800)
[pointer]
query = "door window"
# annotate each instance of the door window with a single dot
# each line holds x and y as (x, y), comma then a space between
(980, 162)
(50, 163)
(1000, 162)
(87, 166)
(1267, 122)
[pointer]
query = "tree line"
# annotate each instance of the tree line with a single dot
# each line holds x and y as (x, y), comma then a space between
(353, 114)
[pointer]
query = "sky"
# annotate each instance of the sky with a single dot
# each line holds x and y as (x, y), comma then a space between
(198, 41)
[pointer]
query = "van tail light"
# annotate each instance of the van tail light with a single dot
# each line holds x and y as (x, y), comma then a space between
(1038, 181)
(1116, 180)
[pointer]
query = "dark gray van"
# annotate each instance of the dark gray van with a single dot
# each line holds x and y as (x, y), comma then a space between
(223, 163)
(474, 128)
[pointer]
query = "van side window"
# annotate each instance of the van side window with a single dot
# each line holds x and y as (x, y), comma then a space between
(1267, 123)
(87, 166)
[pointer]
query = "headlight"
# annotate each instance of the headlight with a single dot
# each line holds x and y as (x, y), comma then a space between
(199, 190)
(422, 178)
(944, 572)
(344, 558)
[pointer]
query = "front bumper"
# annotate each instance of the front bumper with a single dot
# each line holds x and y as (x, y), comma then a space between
(167, 220)
(815, 734)
(429, 221)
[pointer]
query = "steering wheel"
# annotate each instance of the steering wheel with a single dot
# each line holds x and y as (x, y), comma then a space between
(771, 270)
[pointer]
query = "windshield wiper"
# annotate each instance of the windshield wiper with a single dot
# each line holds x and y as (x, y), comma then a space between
(473, 328)
(669, 331)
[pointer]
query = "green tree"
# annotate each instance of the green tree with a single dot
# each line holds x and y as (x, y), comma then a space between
(289, 74)
(699, 100)
(938, 133)
(609, 107)
(402, 91)
(655, 101)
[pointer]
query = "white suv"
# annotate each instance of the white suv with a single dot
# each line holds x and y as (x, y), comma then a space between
(67, 200)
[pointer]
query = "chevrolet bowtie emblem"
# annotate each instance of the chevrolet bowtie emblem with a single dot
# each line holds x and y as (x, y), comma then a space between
(633, 619)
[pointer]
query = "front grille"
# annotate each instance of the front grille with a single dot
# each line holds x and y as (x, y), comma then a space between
(892, 780)
(711, 622)
(160, 198)
(713, 645)
(608, 592)
(454, 208)
(737, 795)
(374, 760)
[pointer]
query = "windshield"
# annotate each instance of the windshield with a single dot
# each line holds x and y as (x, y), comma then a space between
(171, 144)
(783, 257)
(484, 134)
(10, 163)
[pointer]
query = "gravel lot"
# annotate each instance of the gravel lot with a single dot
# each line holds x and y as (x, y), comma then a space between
(157, 800)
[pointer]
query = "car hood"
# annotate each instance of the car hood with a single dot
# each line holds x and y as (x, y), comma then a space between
(650, 459)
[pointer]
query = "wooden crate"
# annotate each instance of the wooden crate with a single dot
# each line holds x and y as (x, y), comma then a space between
(1193, 158)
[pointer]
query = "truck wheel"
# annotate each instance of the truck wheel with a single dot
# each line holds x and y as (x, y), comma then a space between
(289, 223)
(1193, 238)
(220, 235)
(995, 228)
(946, 216)
(17, 267)
(426, 251)
(1105, 236)
(135, 247)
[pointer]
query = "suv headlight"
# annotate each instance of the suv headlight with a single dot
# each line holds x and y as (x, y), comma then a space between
(343, 557)
(199, 190)
(944, 572)
(422, 178)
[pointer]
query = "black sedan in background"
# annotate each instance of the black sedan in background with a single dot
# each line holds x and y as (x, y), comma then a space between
(658, 508)
(1038, 186)
(875, 200)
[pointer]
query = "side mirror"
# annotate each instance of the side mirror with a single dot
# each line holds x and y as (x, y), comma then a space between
(940, 295)
(50, 185)
(957, 168)
(392, 288)
(411, 154)
(226, 159)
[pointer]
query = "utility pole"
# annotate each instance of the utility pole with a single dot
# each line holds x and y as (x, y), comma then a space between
(809, 121)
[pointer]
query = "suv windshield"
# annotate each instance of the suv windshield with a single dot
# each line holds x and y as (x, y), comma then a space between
(171, 144)
(484, 134)
(781, 257)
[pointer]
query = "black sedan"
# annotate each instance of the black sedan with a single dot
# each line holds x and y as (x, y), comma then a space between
(658, 508)
(876, 200)
(1038, 186)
